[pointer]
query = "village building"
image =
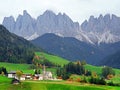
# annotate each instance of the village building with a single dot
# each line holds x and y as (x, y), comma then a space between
(23, 77)
(28, 76)
(12, 74)
(46, 75)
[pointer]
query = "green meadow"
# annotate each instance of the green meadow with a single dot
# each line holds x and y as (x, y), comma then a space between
(14, 67)
(53, 85)
(98, 69)
(52, 58)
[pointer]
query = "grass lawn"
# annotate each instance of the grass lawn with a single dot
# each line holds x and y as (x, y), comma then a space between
(53, 58)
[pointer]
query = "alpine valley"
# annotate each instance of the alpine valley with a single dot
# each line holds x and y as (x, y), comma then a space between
(95, 40)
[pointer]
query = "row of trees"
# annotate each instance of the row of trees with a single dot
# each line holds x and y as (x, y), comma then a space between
(70, 68)
(78, 68)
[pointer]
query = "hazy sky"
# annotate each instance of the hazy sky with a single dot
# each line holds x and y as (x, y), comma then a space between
(78, 10)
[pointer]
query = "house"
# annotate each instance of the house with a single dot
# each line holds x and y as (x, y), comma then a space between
(12, 74)
(23, 77)
(28, 76)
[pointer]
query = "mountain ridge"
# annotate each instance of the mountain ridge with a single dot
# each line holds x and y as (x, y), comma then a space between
(94, 31)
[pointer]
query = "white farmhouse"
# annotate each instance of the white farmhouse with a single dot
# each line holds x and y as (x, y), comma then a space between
(12, 74)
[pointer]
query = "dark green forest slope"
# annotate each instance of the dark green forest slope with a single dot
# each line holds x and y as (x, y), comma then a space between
(15, 49)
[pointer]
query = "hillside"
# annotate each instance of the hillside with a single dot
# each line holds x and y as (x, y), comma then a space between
(73, 49)
(112, 60)
(26, 68)
(15, 49)
(68, 47)
(52, 58)
(98, 69)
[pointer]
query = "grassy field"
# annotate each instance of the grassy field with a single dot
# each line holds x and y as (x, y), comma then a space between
(14, 67)
(53, 58)
(4, 79)
(52, 85)
(98, 69)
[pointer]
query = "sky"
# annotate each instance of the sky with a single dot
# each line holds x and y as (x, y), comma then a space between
(77, 10)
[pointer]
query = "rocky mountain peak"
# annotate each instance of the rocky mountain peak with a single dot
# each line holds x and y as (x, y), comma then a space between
(25, 12)
(48, 12)
(9, 22)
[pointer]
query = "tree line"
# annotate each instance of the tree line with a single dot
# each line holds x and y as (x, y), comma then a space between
(78, 68)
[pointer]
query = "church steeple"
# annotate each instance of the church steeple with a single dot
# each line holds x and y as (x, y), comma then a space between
(44, 71)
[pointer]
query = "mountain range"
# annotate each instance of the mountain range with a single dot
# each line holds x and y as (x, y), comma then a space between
(95, 40)
(104, 29)
(49, 22)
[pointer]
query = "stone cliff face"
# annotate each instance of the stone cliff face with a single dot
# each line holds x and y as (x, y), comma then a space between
(59, 24)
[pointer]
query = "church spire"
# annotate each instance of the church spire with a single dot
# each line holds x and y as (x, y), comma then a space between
(44, 69)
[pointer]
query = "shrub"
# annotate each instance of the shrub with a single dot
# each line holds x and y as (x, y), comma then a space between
(111, 83)
(109, 76)
(100, 81)
(107, 71)
(78, 80)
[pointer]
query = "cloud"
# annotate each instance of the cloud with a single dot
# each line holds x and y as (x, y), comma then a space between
(78, 10)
